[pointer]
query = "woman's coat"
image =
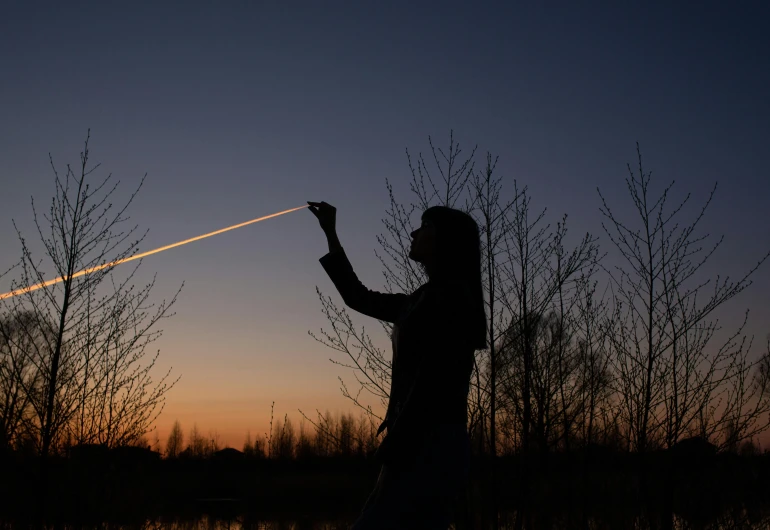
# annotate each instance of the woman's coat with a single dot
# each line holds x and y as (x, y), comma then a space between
(432, 354)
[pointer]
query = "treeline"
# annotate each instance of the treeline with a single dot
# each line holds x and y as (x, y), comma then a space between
(586, 390)
(342, 435)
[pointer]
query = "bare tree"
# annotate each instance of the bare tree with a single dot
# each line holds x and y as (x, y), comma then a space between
(668, 378)
(197, 446)
(594, 381)
(93, 387)
(175, 442)
(260, 446)
(248, 445)
(492, 227)
(214, 443)
(21, 343)
(305, 447)
(284, 439)
(536, 271)
(744, 390)
(554, 386)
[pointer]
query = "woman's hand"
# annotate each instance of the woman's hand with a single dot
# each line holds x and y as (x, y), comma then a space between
(326, 215)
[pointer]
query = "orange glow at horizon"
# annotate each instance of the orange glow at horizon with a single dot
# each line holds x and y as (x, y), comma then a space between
(142, 255)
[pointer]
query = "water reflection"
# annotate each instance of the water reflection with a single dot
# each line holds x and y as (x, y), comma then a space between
(210, 523)
(507, 521)
(732, 520)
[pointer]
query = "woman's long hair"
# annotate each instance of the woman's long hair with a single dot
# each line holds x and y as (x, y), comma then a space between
(458, 257)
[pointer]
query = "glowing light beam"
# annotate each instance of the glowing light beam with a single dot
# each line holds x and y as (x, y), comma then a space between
(142, 255)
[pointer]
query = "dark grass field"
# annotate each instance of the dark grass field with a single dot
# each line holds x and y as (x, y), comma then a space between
(616, 491)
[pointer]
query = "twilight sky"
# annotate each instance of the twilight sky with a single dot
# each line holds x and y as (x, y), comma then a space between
(246, 109)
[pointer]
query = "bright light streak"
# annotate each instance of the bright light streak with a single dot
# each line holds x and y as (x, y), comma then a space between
(142, 255)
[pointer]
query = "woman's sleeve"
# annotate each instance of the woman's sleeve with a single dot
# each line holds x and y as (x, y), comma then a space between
(382, 306)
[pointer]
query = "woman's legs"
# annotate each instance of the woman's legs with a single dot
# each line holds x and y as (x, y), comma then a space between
(403, 500)
(424, 495)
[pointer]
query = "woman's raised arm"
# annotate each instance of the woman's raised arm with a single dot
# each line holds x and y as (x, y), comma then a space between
(382, 306)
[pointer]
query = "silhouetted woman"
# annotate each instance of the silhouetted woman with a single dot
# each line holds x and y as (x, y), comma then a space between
(425, 454)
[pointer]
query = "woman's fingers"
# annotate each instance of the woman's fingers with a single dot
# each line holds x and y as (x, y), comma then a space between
(322, 206)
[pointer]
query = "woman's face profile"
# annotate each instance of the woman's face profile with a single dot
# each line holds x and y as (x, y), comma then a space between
(423, 243)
